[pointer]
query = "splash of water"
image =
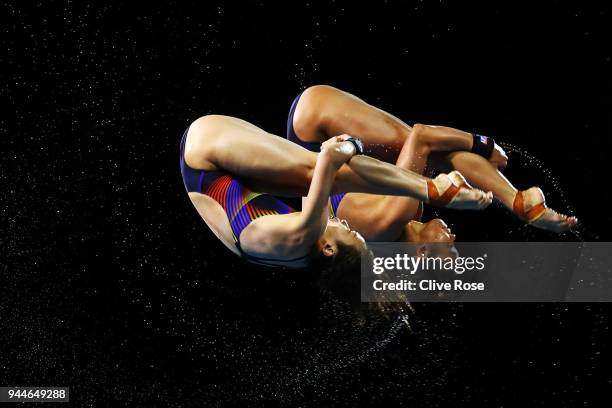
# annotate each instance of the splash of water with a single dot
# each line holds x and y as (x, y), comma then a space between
(348, 349)
(296, 379)
(553, 185)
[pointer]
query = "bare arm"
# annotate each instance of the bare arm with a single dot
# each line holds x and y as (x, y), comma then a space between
(292, 235)
(314, 216)
(364, 174)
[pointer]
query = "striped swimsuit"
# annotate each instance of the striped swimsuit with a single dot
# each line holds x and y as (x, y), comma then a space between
(242, 205)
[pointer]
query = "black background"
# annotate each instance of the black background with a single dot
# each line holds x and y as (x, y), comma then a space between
(112, 285)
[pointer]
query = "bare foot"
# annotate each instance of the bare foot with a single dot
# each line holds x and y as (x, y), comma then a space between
(549, 220)
(467, 198)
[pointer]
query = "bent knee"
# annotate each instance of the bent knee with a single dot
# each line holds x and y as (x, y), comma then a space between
(420, 137)
(306, 168)
(498, 158)
(499, 162)
(419, 131)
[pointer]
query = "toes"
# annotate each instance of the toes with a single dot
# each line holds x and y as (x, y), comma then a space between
(553, 221)
(572, 221)
(565, 222)
(475, 198)
(485, 199)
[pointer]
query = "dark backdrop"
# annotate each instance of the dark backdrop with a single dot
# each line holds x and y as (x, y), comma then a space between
(112, 285)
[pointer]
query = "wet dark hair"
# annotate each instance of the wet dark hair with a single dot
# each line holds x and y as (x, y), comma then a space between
(339, 273)
(340, 276)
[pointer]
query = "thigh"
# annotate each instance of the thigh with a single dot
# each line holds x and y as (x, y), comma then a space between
(265, 162)
(324, 111)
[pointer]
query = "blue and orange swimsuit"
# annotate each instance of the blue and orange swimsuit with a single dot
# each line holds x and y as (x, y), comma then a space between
(242, 205)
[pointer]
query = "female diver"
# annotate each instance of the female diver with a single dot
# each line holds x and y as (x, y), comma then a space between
(321, 112)
(232, 170)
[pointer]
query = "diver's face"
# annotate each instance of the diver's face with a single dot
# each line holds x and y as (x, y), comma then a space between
(440, 239)
(339, 231)
(436, 230)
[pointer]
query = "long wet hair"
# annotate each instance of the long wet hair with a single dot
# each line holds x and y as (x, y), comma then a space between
(340, 276)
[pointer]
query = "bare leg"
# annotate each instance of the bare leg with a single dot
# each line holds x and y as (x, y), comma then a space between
(274, 165)
(484, 175)
(325, 111)
(478, 171)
